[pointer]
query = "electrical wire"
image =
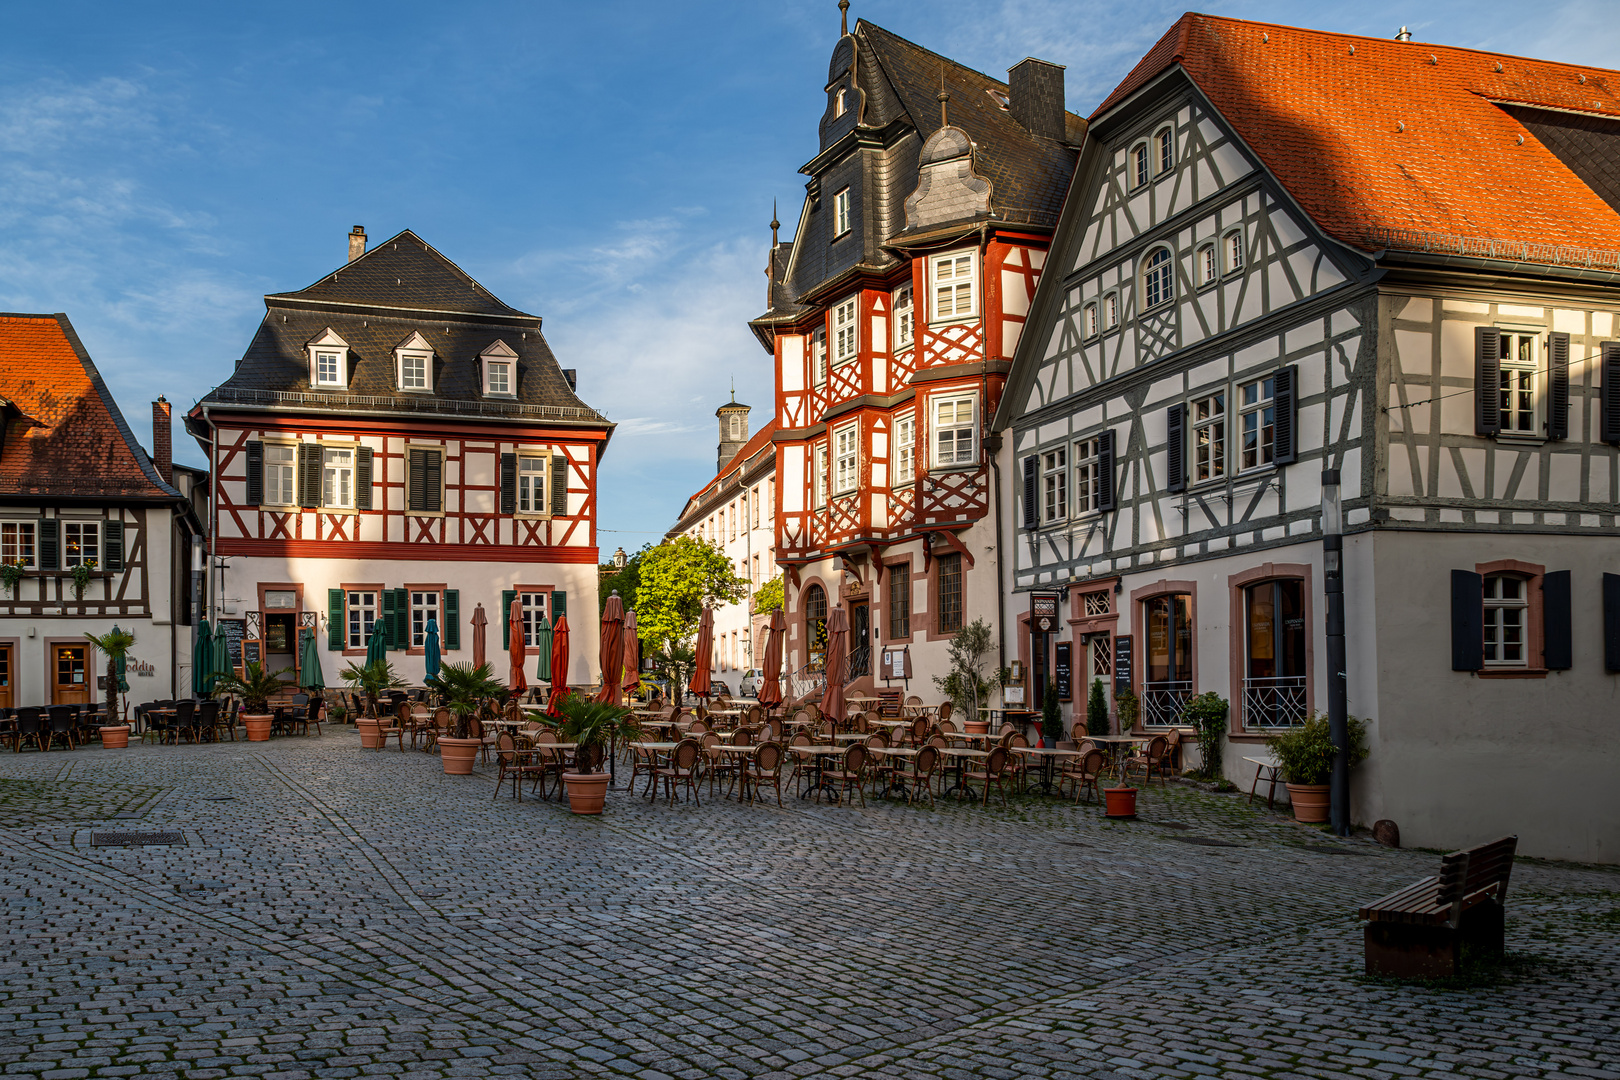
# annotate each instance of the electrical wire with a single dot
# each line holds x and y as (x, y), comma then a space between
(1573, 364)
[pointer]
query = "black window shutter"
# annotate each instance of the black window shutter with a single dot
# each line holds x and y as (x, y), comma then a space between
(415, 481)
(559, 484)
(1611, 622)
(1285, 399)
(362, 478)
(309, 474)
(1557, 639)
(432, 480)
(255, 472)
(50, 547)
(1557, 386)
(1175, 465)
(508, 483)
(1487, 382)
(1610, 399)
(402, 619)
(451, 635)
(335, 629)
(112, 545)
(1031, 515)
(1467, 621)
(507, 596)
(1105, 471)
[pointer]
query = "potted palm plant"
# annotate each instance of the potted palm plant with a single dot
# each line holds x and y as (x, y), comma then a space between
(115, 646)
(1305, 757)
(591, 726)
(255, 686)
(463, 688)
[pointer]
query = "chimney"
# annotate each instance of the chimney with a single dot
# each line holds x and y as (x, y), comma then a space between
(572, 375)
(1403, 34)
(163, 440)
(357, 242)
(1035, 97)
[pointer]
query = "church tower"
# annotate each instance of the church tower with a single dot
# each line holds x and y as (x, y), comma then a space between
(733, 429)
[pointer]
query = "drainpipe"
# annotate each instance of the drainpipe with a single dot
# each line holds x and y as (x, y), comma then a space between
(992, 447)
(213, 514)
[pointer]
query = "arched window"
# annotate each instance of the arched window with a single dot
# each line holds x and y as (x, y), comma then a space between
(1139, 165)
(736, 426)
(1091, 320)
(1206, 264)
(1167, 149)
(1157, 286)
(1234, 251)
(815, 625)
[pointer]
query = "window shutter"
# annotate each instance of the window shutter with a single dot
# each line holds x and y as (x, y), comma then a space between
(362, 478)
(1557, 641)
(559, 604)
(309, 474)
(335, 630)
(451, 635)
(401, 636)
(1105, 471)
(386, 623)
(559, 484)
(1175, 441)
(255, 472)
(112, 545)
(1467, 621)
(432, 480)
(1031, 516)
(1557, 386)
(50, 547)
(508, 483)
(506, 624)
(1487, 383)
(1610, 397)
(415, 481)
(1611, 622)
(1286, 402)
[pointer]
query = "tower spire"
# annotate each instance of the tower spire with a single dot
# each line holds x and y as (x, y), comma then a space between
(843, 18)
(770, 271)
(944, 97)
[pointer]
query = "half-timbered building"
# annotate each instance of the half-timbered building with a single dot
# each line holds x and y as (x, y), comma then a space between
(1288, 252)
(895, 310)
(96, 532)
(398, 446)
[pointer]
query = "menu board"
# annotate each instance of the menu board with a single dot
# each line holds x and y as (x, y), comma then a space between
(1122, 663)
(233, 630)
(1063, 670)
(251, 652)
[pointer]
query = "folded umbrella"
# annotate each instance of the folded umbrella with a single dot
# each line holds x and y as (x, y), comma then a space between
(377, 647)
(542, 649)
(632, 655)
(704, 654)
(611, 656)
(430, 648)
(517, 648)
(310, 676)
(770, 687)
(479, 622)
(559, 663)
(202, 661)
(832, 699)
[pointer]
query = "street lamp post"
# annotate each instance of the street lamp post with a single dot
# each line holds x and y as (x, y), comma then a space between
(1338, 690)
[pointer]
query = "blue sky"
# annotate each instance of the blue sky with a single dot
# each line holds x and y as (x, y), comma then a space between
(608, 166)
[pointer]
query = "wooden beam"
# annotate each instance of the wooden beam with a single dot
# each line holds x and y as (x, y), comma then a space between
(954, 541)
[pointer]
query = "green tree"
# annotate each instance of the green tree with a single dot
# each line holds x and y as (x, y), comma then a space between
(1097, 711)
(770, 596)
(678, 579)
(966, 682)
(626, 581)
(115, 646)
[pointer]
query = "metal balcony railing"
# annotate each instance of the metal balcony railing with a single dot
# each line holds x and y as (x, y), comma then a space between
(1164, 702)
(423, 404)
(1274, 703)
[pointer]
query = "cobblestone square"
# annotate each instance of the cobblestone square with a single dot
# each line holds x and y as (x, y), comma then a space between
(336, 912)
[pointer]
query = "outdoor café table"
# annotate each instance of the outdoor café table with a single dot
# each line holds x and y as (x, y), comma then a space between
(1118, 746)
(1048, 758)
(961, 754)
(741, 751)
(904, 752)
(1265, 768)
(654, 748)
(849, 737)
(818, 752)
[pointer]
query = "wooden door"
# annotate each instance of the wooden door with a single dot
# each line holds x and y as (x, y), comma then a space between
(8, 668)
(70, 675)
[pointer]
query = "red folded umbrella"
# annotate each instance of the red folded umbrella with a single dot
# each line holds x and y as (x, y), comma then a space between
(559, 663)
(479, 621)
(516, 648)
(705, 654)
(632, 655)
(832, 700)
(770, 687)
(612, 645)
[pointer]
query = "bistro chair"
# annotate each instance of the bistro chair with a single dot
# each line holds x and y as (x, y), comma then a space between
(1151, 760)
(853, 773)
(923, 768)
(946, 708)
(713, 760)
(919, 730)
(682, 768)
(1017, 763)
(388, 728)
(1084, 771)
(1170, 763)
(60, 727)
(208, 720)
(514, 763)
(185, 721)
(803, 764)
(764, 768)
(994, 771)
(641, 761)
(312, 715)
(30, 725)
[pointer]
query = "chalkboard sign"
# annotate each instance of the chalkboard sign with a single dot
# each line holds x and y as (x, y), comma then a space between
(1122, 663)
(252, 652)
(232, 629)
(1063, 670)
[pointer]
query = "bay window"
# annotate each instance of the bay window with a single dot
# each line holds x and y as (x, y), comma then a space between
(954, 430)
(953, 286)
(905, 449)
(846, 459)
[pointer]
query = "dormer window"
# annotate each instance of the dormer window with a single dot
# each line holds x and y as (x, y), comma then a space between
(500, 370)
(414, 363)
(841, 213)
(328, 369)
(838, 102)
(328, 360)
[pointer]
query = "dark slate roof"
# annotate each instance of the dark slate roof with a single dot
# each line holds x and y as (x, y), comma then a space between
(380, 276)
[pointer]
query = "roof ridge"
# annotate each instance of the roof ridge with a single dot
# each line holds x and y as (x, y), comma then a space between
(143, 460)
(860, 23)
(333, 275)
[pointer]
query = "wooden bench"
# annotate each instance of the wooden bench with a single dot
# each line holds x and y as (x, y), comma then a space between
(1419, 931)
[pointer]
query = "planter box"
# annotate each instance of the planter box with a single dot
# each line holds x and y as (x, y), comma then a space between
(586, 791)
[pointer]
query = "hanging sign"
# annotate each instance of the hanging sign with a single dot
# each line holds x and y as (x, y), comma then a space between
(1043, 609)
(1122, 663)
(1063, 670)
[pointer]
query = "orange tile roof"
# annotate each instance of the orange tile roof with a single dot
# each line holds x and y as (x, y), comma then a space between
(1374, 134)
(69, 440)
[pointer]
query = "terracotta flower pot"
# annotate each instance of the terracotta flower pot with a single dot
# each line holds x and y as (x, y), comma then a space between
(586, 791)
(369, 738)
(258, 726)
(458, 755)
(1310, 801)
(1120, 801)
(976, 727)
(115, 738)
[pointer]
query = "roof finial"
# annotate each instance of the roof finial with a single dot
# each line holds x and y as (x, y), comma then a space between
(944, 97)
(843, 18)
(770, 262)
(734, 389)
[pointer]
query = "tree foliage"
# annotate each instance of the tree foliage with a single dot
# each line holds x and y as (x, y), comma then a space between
(677, 579)
(966, 682)
(770, 596)
(1097, 711)
(625, 582)
(115, 645)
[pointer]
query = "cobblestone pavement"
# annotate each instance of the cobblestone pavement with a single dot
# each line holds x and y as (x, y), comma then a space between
(332, 912)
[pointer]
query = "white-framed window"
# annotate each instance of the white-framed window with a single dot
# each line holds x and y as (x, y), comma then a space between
(1165, 142)
(328, 360)
(818, 356)
(17, 543)
(328, 368)
(424, 606)
(498, 377)
(1209, 437)
(846, 344)
(1158, 278)
(81, 543)
(846, 459)
(1087, 476)
(1110, 311)
(1206, 265)
(753, 504)
(905, 449)
(1054, 486)
(337, 477)
(955, 428)
(733, 521)
(413, 371)
(280, 474)
(1090, 320)
(905, 322)
(1140, 165)
(1259, 419)
(1232, 251)
(1520, 377)
(841, 213)
(954, 295)
(534, 610)
(531, 483)
(361, 615)
(820, 480)
(840, 103)
(1507, 607)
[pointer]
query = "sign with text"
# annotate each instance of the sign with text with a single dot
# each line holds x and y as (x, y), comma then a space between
(1063, 670)
(1043, 612)
(1122, 663)
(233, 631)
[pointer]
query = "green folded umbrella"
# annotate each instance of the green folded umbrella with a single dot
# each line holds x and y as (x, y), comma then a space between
(310, 676)
(542, 645)
(377, 647)
(430, 648)
(202, 661)
(221, 663)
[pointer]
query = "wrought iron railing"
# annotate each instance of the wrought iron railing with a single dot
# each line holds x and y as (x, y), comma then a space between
(413, 404)
(1274, 703)
(1164, 702)
(860, 661)
(810, 679)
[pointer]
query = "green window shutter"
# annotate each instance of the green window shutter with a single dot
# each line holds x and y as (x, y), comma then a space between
(335, 630)
(387, 620)
(416, 480)
(451, 635)
(255, 472)
(362, 478)
(112, 545)
(401, 634)
(559, 604)
(559, 485)
(50, 545)
(433, 480)
(506, 627)
(508, 483)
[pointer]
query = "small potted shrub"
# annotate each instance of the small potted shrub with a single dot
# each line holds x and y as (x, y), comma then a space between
(1128, 707)
(1051, 715)
(591, 726)
(463, 688)
(1097, 711)
(1305, 756)
(81, 577)
(371, 680)
(256, 687)
(115, 646)
(11, 575)
(1207, 714)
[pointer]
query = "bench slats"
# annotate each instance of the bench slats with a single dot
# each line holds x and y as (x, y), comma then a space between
(1461, 883)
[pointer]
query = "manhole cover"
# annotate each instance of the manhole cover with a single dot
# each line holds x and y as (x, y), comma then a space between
(1327, 849)
(121, 839)
(1204, 841)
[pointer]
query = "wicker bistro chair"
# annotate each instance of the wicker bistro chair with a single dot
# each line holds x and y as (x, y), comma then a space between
(681, 769)
(388, 727)
(1017, 764)
(994, 772)
(1085, 771)
(714, 762)
(1170, 764)
(923, 768)
(804, 766)
(1151, 760)
(919, 730)
(208, 720)
(765, 767)
(312, 715)
(517, 764)
(852, 776)
(946, 708)
(552, 761)
(185, 721)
